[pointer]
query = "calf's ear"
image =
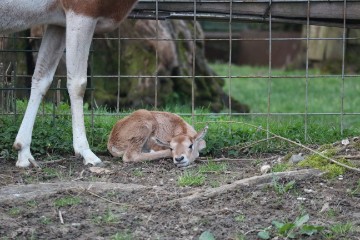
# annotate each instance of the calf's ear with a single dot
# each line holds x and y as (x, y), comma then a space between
(201, 145)
(200, 135)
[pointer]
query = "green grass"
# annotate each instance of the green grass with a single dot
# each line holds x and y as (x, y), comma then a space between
(138, 173)
(52, 136)
(213, 167)
(240, 218)
(280, 167)
(355, 191)
(341, 229)
(107, 218)
(332, 170)
(190, 178)
(288, 96)
(14, 211)
(287, 93)
(67, 201)
(32, 203)
(45, 220)
(202, 175)
(122, 236)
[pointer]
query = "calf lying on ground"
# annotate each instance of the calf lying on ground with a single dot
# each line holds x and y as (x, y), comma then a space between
(149, 135)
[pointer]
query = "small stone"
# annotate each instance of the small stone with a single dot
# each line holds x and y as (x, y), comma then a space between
(345, 142)
(265, 168)
(301, 198)
(308, 190)
(296, 158)
(279, 160)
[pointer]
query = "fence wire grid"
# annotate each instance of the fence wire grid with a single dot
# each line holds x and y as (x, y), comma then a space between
(201, 11)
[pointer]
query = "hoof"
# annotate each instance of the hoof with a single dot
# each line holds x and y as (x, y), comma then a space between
(25, 159)
(90, 158)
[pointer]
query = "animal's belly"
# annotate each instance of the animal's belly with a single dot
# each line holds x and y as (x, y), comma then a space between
(106, 25)
(17, 15)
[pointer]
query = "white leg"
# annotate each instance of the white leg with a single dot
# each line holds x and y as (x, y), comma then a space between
(134, 155)
(79, 33)
(51, 50)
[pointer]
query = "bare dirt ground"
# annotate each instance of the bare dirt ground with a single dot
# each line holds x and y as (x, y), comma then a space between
(66, 200)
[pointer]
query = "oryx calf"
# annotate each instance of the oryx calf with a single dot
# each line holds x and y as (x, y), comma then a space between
(149, 135)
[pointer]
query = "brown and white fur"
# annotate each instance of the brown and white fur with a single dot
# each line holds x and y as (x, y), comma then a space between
(149, 135)
(71, 24)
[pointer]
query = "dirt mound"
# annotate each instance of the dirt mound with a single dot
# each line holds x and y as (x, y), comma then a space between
(66, 200)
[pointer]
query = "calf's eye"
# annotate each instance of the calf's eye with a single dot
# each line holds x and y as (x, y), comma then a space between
(191, 146)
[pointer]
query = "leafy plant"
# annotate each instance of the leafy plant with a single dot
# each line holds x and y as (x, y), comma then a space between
(292, 230)
(264, 234)
(122, 236)
(207, 235)
(108, 218)
(282, 188)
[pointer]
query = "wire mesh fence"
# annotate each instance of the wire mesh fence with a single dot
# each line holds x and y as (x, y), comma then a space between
(234, 19)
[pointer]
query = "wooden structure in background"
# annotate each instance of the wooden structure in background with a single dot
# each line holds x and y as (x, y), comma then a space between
(319, 12)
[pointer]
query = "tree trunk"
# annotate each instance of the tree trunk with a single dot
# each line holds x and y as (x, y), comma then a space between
(174, 62)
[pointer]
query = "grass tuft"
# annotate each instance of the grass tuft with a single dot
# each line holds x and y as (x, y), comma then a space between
(332, 170)
(189, 178)
(67, 201)
(213, 167)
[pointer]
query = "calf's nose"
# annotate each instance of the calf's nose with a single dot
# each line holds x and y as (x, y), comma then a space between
(179, 159)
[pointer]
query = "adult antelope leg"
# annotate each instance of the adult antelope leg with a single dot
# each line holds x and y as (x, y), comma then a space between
(50, 52)
(79, 33)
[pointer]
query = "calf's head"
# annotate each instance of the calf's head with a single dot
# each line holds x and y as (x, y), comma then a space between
(185, 149)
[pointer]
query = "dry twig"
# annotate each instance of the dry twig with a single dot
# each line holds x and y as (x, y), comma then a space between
(205, 159)
(53, 161)
(98, 196)
(61, 217)
(352, 157)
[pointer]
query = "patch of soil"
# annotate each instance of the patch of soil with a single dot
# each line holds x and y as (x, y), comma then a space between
(144, 201)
